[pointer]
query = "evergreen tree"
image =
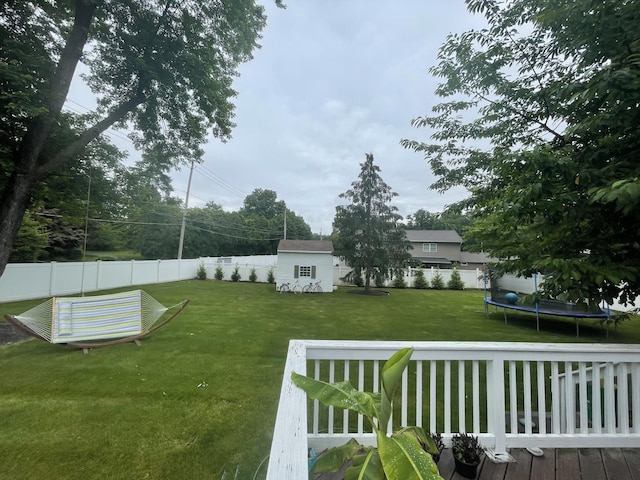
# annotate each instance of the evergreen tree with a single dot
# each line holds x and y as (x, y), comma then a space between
(455, 281)
(437, 282)
(419, 280)
(369, 233)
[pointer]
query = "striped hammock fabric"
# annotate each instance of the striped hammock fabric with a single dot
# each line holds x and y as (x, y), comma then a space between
(96, 318)
(101, 317)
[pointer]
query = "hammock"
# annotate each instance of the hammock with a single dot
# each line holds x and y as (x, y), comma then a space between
(98, 321)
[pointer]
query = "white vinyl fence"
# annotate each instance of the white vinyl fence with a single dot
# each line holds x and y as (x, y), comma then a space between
(24, 281)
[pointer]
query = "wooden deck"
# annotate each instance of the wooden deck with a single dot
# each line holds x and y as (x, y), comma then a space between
(555, 464)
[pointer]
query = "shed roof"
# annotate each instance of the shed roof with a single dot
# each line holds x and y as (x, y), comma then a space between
(316, 246)
(444, 236)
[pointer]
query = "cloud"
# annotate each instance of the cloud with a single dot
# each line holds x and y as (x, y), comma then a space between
(333, 80)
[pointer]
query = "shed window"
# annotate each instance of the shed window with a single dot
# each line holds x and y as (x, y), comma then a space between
(308, 271)
(305, 271)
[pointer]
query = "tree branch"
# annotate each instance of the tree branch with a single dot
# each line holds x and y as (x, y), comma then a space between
(89, 135)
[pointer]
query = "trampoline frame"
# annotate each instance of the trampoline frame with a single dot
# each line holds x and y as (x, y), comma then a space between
(544, 308)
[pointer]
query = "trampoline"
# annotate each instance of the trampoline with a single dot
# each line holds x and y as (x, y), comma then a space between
(511, 300)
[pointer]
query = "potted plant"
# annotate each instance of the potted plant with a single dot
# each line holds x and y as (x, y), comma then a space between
(439, 443)
(467, 453)
(405, 455)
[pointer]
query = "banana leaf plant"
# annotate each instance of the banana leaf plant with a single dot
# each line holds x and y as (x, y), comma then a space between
(405, 455)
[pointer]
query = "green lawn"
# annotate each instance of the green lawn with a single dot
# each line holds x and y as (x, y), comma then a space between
(199, 396)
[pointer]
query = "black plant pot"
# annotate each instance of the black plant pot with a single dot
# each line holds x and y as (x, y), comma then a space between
(467, 470)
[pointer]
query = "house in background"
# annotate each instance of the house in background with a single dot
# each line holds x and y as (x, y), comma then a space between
(305, 261)
(443, 249)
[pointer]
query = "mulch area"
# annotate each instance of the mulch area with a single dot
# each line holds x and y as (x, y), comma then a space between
(10, 334)
(369, 292)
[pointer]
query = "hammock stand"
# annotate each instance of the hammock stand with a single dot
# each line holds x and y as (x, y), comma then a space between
(97, 321)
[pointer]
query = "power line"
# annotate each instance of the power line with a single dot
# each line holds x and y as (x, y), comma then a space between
(208, 174)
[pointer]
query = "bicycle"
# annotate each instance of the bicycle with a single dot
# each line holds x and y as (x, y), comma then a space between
(312, 288)
(296, 288)
(284, 288)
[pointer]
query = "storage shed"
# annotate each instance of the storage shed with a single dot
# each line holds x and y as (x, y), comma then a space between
(305, 262)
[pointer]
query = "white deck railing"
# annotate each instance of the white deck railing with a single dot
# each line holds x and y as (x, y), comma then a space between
(509, 394)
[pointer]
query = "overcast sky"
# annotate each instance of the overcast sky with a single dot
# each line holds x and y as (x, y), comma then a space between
(332, 81)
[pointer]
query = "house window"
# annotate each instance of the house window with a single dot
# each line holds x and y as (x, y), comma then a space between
(430, 247)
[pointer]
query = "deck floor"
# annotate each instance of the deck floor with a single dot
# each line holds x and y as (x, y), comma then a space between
(555, 464)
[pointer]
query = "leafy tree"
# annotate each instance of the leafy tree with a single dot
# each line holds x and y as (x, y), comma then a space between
(264, 217)
(370, 235)
(540, 125)
(164, 68)
(31, 241)
(447, 220)
(154, 230)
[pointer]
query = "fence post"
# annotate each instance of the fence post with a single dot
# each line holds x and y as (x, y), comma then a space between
(495, 403)
(52, 278)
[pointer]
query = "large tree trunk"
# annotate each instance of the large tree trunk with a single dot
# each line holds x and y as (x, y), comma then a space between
(17, 195)
(15, 200)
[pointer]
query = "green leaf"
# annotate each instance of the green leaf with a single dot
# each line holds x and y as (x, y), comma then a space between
(426, 441)
(341, 394)
(404, 459)
(366, 467)
(391, 376)
(333, 459)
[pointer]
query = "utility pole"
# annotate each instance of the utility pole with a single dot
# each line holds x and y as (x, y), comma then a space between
(285, 223)
(184, 214)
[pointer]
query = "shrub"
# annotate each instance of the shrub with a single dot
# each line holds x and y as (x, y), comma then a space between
(219, 275)
(379, 280)
(437, 283)
(420, 281)
(235, 276)
(398, 281)
(253, 276)
(455, 282)
(271, 278)
(357, 279)
(201, 274)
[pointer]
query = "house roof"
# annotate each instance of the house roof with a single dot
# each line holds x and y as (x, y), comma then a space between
(308, 246)
(469, 257)
(442, 236)
(434, 260)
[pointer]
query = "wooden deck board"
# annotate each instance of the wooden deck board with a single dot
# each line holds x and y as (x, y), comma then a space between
(544, 467)
(558, 464)
(591, 464)
(615, 464)
(632, 456)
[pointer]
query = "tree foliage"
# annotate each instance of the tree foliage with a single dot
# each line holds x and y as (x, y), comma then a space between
(539, 122)
(165, 68)
(369, 233)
